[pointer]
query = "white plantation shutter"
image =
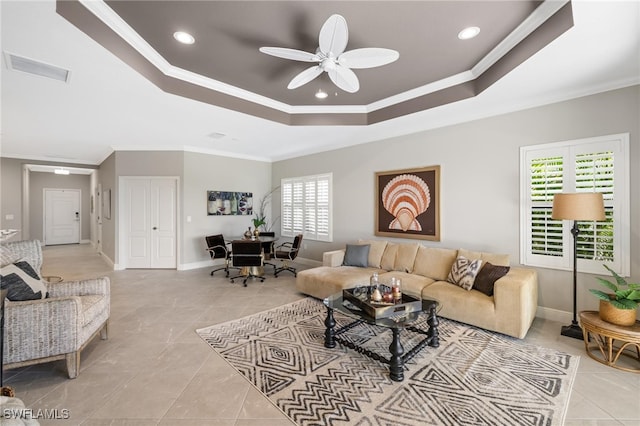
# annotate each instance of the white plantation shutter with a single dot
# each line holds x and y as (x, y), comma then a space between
(298, 208)
(546, 180)
(595, 173)
(587, 165)
(306, 207)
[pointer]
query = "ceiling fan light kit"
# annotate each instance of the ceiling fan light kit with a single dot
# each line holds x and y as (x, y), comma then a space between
(332, 59)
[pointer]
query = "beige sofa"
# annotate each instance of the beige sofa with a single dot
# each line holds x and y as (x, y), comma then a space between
(424, 272)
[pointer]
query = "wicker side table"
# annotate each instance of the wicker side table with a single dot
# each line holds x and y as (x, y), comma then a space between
(606, 342)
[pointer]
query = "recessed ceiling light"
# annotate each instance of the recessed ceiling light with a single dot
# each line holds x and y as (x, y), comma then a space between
(61, 171)
(320, 94)
(183, 37)
(469, 32)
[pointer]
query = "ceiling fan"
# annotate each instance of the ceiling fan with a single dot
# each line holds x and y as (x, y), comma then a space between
(332, 58)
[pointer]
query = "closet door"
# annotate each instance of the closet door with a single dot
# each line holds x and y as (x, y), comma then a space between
(150, 207)
(163, 223)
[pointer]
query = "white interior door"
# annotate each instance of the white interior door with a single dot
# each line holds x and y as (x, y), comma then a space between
(150, 207)
(61, 216)
(163, 223)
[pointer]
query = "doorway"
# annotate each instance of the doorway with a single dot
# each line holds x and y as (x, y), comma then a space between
(62, 216)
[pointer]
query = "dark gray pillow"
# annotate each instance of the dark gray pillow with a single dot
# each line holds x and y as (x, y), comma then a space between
(488, 276)
(357, 255)
(22, 282)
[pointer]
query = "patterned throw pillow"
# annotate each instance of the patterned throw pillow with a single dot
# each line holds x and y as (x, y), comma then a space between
(464, 271)
(22, 282)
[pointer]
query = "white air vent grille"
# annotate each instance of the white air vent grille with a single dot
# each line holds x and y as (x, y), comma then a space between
(19, 63)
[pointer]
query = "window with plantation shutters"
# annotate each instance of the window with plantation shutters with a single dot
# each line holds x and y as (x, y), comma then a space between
(588, 165)
(306, 207)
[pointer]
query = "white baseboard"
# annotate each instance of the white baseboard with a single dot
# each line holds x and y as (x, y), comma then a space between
(309, 262)
(195, 265)
(207, 264)
(554, 315)
(110, 262)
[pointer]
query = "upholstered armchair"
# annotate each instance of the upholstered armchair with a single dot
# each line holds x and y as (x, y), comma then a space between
(57, 327)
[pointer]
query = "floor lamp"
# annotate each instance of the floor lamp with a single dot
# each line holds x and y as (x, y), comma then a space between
(587, 206)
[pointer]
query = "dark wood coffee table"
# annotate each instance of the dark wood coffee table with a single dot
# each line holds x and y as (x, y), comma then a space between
(398, 357)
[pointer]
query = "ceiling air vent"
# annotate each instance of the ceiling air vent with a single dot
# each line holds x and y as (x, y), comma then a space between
(19, 63)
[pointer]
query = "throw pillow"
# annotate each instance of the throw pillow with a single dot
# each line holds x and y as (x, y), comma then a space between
(375, 252)
(22, 282)
(464, 271)
(488, 276)
(356, 255)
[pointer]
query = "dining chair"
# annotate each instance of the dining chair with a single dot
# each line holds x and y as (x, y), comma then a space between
(287, 252)
(248, 257)
(217, 248)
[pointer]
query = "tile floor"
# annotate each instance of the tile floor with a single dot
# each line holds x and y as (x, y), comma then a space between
(155, 370)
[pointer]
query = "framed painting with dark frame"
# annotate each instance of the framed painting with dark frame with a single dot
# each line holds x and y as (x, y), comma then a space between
(408, 203)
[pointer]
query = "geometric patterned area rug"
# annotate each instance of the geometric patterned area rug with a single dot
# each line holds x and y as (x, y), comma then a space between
(475, 377)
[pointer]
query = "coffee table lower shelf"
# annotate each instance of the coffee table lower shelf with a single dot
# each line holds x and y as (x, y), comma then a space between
(398, 358)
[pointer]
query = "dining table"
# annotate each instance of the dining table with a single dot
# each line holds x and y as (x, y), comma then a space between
(266, 242)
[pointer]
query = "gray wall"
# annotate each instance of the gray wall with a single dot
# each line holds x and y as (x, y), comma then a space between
(131, 163)
(12, 179)
(11, 194)
(107, 178)
(210, 172)
(480, 196)
(38, 181)
(198, 173)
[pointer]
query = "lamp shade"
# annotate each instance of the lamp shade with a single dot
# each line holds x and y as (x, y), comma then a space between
(578, 206)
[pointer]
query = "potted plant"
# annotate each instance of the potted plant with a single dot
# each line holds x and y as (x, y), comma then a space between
(620, 306)
(258, 221)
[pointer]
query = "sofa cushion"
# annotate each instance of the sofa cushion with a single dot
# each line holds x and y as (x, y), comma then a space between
(375, 252)
(496, 259)
(356, 255)
(324, 281)
(7, 258)
(22, 282)
(434, 262)
(410, 283)
(464, 271)
(389, 257)
(406, 257)
(487, 277)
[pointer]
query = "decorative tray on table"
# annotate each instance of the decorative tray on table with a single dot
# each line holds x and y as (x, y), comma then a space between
(360, 297)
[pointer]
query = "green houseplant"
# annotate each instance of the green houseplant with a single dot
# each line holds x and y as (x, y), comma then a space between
(258, 221)
(620, 306)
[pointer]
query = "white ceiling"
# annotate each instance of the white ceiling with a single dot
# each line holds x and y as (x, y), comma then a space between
(108, 106)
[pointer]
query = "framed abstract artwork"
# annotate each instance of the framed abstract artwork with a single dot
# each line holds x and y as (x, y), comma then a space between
(226, 203)
(408, 203)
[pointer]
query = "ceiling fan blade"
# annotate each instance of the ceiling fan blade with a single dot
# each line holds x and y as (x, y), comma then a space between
(293, 54)
(334, 35)
(368, 57)
(304, 77)
(344, 78)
